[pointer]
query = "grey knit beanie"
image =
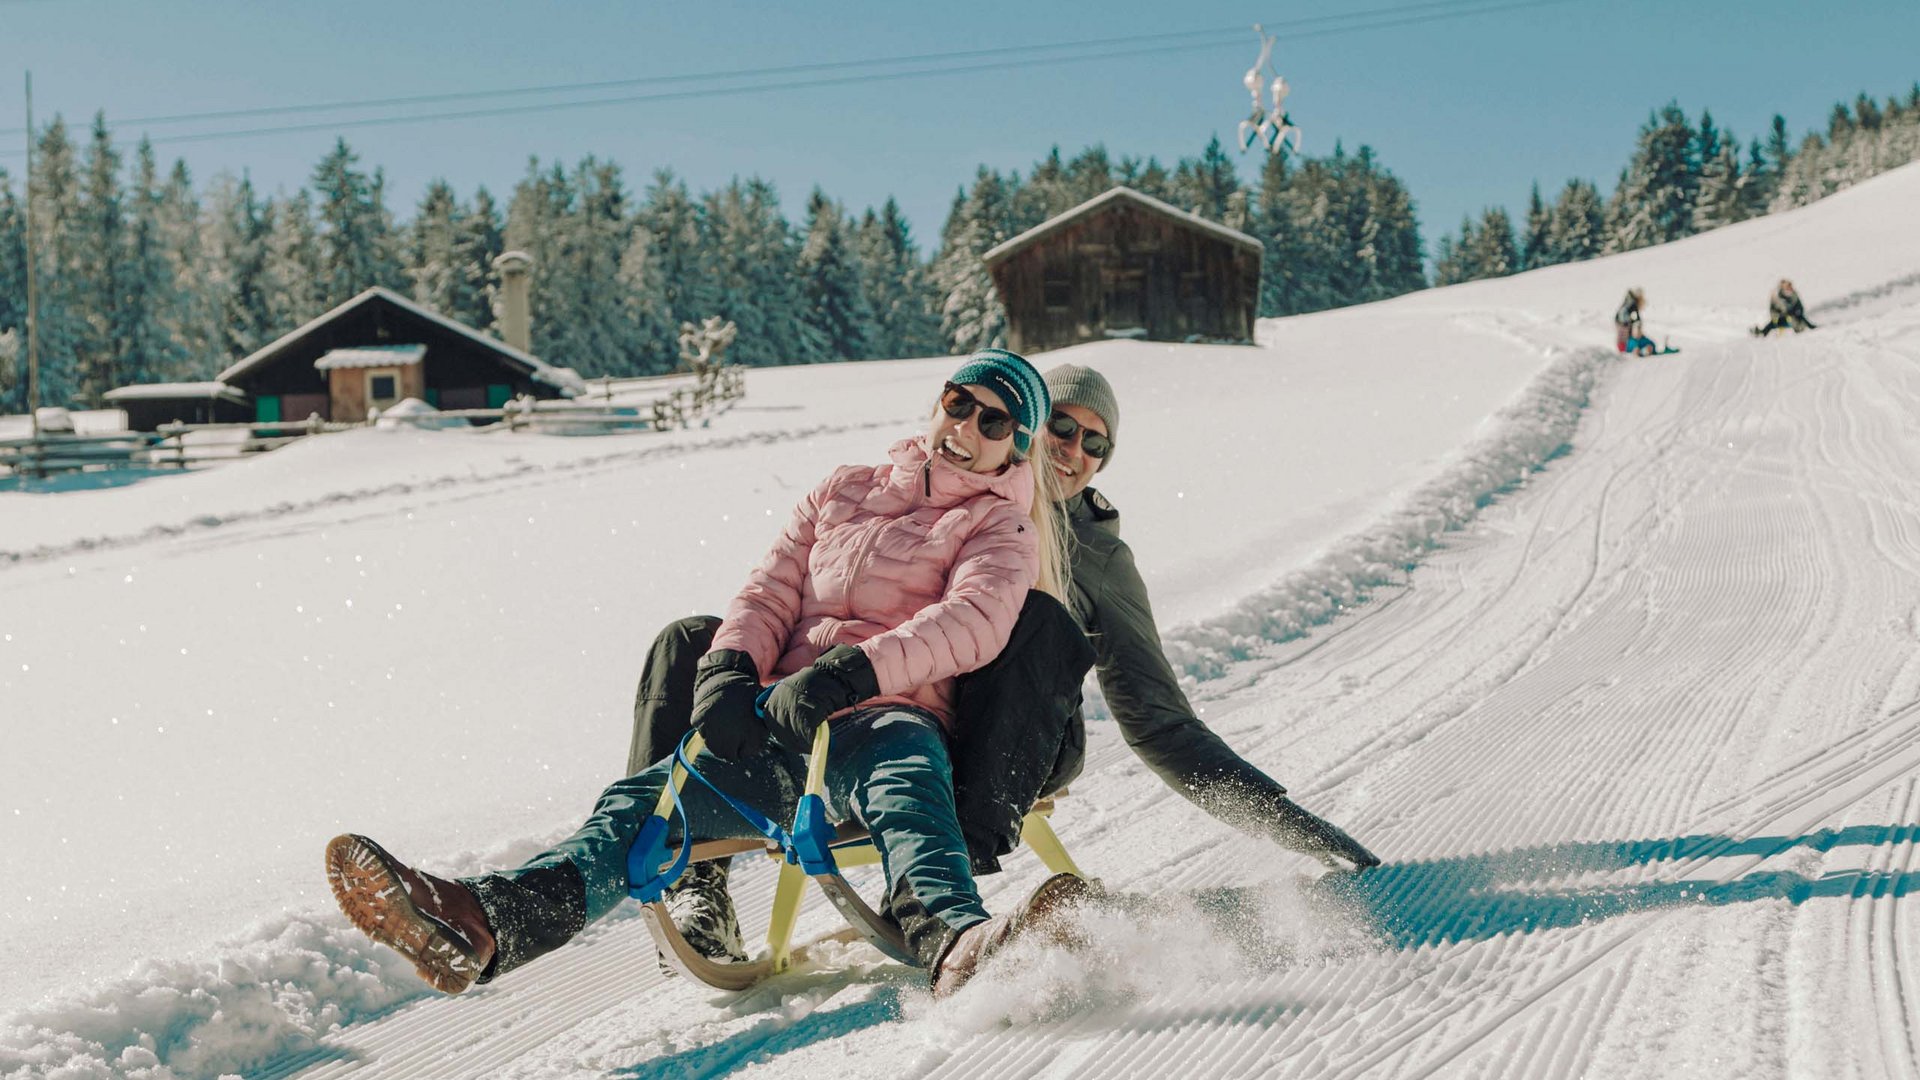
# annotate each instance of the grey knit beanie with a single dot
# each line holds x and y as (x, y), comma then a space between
(1074, 384)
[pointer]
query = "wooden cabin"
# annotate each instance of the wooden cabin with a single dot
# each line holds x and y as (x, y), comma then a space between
(380, 348)
(1126, 265)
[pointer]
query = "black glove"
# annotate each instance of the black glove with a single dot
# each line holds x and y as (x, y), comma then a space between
(840, 679)
(724, 685)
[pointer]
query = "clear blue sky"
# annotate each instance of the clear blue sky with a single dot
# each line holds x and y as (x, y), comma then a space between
(1467, 111)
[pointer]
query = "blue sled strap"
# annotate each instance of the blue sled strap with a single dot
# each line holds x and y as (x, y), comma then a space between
(648, 870)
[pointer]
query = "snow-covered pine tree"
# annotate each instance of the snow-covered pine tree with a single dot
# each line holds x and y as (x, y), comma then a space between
(152, 300)
(1206, 184)
(906, 322)
(1314, 203)
(1147, 178)
(1533, 237)
(1576, 226)
(776, 283)
(60, 320)
(193, 322)
(1493, 249)
(971, 315)
(356, 245)
(675, 231)
(476, 243)
(432, 243)
(1391, 248)
(1758, 181)
(1453, 259)
(1272, 224)
(647, 308)
(237, 252)
(751, 260)
(830, 275)
(13, 298)
(1803, 180)
(1090, 173)
(595, 336)
(99, 242)
(1654, 200)
(1045, 193)
(292, 281)
(1722, 198)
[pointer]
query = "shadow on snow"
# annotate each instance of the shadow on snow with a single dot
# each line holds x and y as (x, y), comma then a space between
(1475, 897)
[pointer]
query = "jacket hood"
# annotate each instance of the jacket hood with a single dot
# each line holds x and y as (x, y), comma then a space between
(948, 484)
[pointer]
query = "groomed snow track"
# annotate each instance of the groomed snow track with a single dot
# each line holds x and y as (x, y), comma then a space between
(1642, 748)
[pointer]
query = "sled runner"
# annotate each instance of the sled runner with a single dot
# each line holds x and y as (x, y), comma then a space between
(811, 848)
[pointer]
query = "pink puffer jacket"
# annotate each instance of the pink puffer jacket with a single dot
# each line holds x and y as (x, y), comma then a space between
(920, 563)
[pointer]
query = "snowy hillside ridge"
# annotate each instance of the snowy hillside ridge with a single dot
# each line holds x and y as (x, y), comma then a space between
(1529, 433)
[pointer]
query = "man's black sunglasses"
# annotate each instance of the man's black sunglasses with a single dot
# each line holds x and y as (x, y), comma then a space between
(1092, 443)
(959, 403)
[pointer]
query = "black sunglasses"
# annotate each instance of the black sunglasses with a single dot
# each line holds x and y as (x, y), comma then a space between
(1092, 443)
(994, 424)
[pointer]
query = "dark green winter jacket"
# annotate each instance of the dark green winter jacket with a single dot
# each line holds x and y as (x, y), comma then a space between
(1141, 689)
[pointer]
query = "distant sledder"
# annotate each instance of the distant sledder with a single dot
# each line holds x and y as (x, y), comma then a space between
(1784, 311)
(1629, 335)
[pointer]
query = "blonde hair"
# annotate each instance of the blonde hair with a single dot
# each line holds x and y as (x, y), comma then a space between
(1050, 522)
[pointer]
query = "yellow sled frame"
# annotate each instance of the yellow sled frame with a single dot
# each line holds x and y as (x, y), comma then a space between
(852, 848)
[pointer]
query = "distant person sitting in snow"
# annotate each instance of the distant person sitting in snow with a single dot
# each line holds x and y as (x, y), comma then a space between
(887, 582)
(1629, 337)
(1784, 311)
(1109, 600)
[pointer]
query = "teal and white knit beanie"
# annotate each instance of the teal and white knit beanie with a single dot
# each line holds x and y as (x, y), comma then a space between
(1018, 384)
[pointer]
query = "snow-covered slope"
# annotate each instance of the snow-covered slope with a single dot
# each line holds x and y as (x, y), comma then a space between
(1639, 744)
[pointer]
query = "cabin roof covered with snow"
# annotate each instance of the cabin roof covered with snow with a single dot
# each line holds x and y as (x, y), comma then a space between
(1106, 199)
(366, 356)
(174, 391)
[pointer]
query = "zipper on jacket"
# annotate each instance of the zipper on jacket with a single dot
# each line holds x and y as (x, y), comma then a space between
(927, 472)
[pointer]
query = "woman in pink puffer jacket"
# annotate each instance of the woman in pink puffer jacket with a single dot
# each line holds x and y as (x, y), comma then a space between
(888, 582)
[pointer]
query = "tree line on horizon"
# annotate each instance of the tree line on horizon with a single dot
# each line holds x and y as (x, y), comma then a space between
(141, 277)
(1685, 178)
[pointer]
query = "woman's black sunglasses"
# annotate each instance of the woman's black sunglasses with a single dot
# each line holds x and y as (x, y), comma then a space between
(1092, 443)
(959, 403)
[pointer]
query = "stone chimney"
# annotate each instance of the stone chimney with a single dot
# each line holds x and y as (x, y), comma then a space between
(514, 311)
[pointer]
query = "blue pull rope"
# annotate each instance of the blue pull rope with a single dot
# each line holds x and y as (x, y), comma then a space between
(761, 823)
(809, 844)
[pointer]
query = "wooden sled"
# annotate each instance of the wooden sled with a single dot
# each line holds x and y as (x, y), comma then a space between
(801, 857)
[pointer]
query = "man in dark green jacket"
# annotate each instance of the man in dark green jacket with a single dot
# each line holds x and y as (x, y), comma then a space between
(1110, 601)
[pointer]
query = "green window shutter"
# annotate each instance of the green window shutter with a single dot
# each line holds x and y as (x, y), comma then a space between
(266, 409)
(498, 394)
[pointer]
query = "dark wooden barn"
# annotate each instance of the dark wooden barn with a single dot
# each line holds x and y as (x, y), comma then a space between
(379, 348)
(1124, 264)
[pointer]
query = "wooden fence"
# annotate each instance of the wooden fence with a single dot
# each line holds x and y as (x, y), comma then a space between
(184, 445)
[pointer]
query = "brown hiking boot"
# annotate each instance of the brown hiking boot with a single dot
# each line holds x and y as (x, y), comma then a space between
(1047, 912)
(436, 923)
